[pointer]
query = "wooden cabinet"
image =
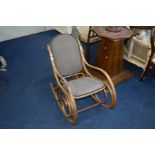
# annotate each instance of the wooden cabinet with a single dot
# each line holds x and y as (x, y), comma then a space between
(110, 54)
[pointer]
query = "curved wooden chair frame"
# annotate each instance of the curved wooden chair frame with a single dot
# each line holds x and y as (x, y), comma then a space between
(64, 96)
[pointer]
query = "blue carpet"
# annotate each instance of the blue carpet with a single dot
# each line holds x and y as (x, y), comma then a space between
(26, 100)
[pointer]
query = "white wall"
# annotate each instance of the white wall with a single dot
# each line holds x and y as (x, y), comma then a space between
(10, 32)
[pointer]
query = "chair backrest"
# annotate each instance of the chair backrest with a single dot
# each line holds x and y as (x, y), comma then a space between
(66, 53)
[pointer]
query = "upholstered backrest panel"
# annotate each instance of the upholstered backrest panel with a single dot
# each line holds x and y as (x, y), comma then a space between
(66, 54)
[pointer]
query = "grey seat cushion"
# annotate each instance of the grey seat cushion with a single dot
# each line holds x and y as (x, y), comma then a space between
(84, 85)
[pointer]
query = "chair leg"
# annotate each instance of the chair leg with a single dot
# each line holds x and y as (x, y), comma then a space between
(66, 104)
(144, 72)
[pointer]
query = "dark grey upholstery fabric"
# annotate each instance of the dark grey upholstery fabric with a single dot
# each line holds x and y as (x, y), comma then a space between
(84, 85)
(66, 54)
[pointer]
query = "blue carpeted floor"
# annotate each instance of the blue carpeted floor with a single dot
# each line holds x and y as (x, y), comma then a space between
(26, 100)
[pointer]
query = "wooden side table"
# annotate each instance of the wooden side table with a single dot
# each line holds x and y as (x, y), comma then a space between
(110, 54)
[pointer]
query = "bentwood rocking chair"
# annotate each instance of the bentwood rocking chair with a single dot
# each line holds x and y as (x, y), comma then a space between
(73, 79)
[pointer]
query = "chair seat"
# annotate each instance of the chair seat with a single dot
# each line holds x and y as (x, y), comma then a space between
(84, 86)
